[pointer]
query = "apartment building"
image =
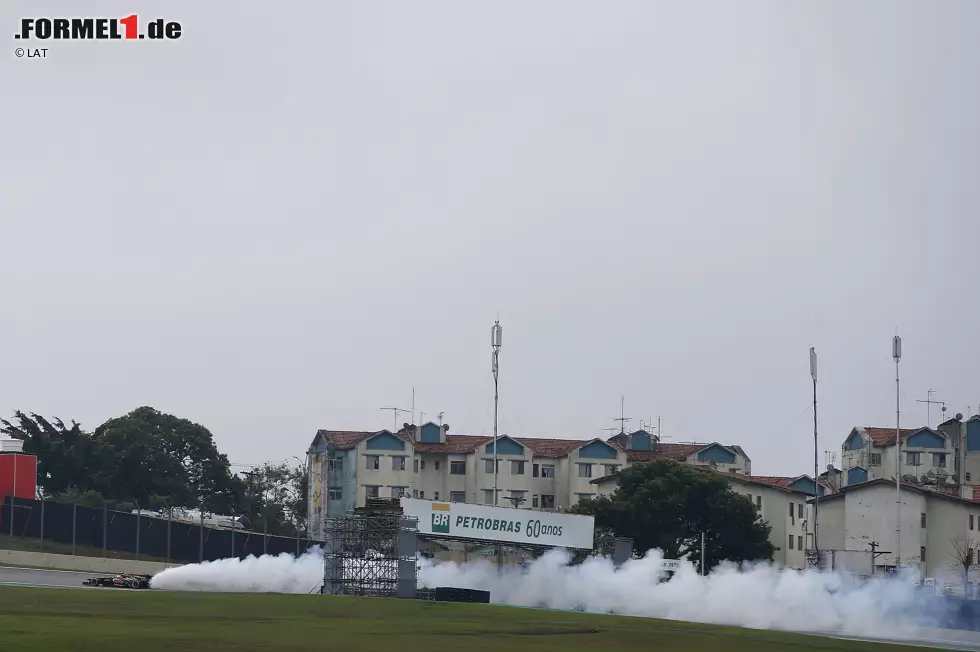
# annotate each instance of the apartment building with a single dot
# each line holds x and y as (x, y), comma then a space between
(780, 501)
(347, 467)
(927, 457)
(935, 527)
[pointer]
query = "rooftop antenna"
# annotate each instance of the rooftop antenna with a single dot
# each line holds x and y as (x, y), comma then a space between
(816, 469)
(395, 410)
(897, 356)
(929, 403)
(439, 416)
(413, 406)
(622, 418)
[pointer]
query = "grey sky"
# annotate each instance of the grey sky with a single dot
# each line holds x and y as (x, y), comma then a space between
(288, 218)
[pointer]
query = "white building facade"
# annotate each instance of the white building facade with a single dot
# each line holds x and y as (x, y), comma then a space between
(348, 467)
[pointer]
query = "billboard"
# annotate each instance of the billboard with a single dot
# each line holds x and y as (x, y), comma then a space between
(504, 524)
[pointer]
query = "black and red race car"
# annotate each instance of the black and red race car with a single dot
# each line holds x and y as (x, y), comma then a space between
(122, 580)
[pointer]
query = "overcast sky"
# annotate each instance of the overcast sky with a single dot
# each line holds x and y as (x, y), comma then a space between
(297, 212)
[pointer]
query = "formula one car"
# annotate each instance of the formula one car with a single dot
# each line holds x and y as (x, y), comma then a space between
(122, 580)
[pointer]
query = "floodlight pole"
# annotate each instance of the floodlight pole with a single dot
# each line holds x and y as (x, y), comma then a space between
(495, 343)
(816, 469)
(897, 356)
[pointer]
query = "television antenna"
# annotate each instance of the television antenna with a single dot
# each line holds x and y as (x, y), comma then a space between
(623, 419)
(396, 410)
(929, 403)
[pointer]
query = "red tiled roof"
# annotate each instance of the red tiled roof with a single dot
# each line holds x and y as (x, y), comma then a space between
(678, 452)
(345, 439)
(553, 447)
(455, 444)
(886, 436)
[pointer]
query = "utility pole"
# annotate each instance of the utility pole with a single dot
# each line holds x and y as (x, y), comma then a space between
(897, 356)
(816, 470)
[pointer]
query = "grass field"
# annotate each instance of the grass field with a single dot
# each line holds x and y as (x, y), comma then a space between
(72, 619)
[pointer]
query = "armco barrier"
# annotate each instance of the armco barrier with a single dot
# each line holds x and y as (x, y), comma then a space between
(88, 564)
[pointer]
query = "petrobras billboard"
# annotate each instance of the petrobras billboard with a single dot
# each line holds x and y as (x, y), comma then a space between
(507, 525)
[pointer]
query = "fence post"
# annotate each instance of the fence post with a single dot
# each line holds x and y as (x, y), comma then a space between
(105, 527)
(74, 518)
(42, 523)
(170, 515)
(11, 512)
(265, 530)
(201, 553)
(233, 537)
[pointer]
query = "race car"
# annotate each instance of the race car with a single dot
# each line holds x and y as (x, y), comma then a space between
(122, 580)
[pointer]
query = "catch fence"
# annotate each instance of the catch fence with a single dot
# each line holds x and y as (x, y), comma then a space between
(64, 528)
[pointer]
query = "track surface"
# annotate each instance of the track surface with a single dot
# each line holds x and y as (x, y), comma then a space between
(943, 639)
(11, 576)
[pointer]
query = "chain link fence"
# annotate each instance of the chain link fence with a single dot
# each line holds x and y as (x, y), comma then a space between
(71, 529)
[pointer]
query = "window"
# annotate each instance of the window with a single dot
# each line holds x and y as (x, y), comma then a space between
(733, 470)
(799, 542)
(437, 465)
(534, 499)
(488, 465)
(758, 502)
(913, 459)
(791, 510)
(335, 493)
(422, 495)
(547, 502)
(585, 470)
(371, 491)
(417, 466)
(548, 471)
(791, 541)
(415, 493)
(536, 470)
(517, 467)
(800, 510)
(397, 492)
(517, 498)
(398, 463)
(612, 469)
(875, 459)
(457, 496)
(971, 521)
(373, 461)
(939, 459)
(488, 496)
(922, 554)
(457, 468)
(335, 464)
(922, 520)
(581, 497)
(436, 497)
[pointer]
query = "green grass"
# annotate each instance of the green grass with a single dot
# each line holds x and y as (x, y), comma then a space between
(27, 544)
(102, 620)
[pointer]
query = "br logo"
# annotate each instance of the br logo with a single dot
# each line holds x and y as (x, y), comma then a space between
(440, 522)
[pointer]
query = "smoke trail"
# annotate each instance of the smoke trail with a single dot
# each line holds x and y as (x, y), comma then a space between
(760, 597)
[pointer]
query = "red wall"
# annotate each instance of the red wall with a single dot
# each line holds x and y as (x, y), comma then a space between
(26, 475)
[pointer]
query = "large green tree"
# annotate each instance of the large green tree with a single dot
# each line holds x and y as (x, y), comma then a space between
(668, 505)
(276, 497)
(149, 455)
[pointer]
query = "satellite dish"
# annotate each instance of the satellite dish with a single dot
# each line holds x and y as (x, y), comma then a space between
(830, 468)
(959, 416)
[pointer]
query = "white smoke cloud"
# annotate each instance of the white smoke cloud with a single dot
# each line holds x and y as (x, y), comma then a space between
(760, 597)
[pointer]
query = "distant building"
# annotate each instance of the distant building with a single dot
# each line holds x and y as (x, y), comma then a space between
(347, 467)
(945, 459)
(933, 526)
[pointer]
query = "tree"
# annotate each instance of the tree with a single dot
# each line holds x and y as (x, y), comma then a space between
(276, 497)
(964, 554)
(668, 505)
(65, 456)
(149, 455)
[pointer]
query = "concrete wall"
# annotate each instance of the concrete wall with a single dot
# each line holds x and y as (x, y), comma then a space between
(91, 564)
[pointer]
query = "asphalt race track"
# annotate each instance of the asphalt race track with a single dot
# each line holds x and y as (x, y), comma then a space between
(943, 639)
(10, 576)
